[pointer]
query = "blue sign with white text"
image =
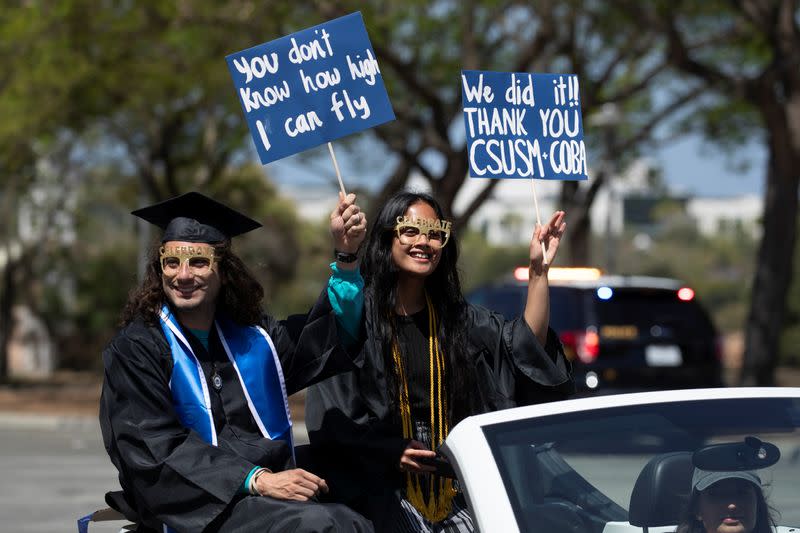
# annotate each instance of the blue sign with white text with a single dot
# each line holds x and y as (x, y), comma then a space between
(310, 87)
(523, 125)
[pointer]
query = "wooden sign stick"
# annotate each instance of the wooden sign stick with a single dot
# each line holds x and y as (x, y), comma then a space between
(336, 167)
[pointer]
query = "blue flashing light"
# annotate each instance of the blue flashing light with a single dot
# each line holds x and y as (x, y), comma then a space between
(604, 293)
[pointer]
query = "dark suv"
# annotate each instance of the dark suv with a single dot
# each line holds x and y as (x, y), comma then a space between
(622, 332)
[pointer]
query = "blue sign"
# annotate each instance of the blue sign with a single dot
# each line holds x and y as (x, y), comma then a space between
(310, 87)
(523, 125)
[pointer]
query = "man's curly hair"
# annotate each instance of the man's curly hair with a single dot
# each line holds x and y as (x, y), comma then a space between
(239, 298)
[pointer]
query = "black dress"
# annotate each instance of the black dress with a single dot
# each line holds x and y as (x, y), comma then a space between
(168, 473)
(356, 434)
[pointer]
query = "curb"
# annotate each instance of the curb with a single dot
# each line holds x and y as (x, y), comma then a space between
(83, 422)
(47, 421)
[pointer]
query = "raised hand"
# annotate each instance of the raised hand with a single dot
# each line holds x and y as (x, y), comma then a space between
(348, 224)
(550, 234)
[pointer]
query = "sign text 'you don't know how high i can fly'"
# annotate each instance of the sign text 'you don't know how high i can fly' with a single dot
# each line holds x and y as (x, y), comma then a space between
(310, 87)
(523, 125)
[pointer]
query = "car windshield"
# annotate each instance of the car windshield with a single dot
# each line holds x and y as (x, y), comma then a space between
(609, 469)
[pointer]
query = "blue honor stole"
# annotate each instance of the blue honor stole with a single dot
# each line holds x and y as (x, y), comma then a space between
(253, 356)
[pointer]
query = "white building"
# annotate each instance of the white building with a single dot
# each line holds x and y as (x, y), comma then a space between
(724, 214)
(509, 215)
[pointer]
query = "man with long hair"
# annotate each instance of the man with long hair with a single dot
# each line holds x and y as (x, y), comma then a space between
(430, 360)
(194, 409)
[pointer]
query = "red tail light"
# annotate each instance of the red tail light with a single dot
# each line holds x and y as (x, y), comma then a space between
(686, 294)
(583, 344)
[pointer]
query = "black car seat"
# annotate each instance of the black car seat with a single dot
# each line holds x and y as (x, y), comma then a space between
(661, 492)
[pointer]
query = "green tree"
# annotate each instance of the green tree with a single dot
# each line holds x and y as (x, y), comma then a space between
(133, 97)
(746, 54)
(422, 47)
(790, 339)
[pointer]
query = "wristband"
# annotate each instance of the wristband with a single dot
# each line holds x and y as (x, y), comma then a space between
(252, 488)
(344, 257)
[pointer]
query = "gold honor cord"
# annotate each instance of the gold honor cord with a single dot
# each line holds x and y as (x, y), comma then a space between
(441, 490)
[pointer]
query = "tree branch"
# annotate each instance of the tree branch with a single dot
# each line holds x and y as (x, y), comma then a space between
(544, 36)
(656, 118)
(407, 74)
(476, 203)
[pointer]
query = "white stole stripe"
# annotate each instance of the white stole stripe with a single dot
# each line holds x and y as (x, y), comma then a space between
(253, 410)
(280, 375)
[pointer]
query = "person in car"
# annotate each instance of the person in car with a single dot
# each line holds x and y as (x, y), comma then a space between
(727, 502)
(431, 359)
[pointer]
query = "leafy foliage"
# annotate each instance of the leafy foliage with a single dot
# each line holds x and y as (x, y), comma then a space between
(124, 103)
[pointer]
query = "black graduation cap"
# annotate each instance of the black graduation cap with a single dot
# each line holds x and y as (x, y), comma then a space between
(194, 217)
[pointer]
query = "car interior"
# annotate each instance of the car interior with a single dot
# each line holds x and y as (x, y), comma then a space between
(630, 469)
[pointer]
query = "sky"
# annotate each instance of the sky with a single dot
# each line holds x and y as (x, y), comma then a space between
(694, 167)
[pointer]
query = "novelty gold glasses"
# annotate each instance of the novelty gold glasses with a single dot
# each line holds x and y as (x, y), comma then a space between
(200, 259)
(410, 230)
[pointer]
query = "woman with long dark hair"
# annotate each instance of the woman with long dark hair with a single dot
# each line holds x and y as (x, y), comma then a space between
(727, 502)
(431, 359)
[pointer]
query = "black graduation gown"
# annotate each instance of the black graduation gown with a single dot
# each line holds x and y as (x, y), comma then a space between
(169, 474)
(357, 440)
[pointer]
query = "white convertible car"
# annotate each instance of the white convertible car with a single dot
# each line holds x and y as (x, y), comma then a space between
(619, 463)
(623, 463)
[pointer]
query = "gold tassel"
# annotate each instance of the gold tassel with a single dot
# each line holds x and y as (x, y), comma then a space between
(441, 490)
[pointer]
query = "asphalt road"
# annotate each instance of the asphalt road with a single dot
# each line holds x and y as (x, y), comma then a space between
(54, 471)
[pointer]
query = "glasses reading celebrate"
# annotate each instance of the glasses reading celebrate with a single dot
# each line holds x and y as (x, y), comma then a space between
(200, 259)
(410, 230)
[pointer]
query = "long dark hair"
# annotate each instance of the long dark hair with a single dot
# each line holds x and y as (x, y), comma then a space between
(444, 288)
(239, 298)
(765, 515)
